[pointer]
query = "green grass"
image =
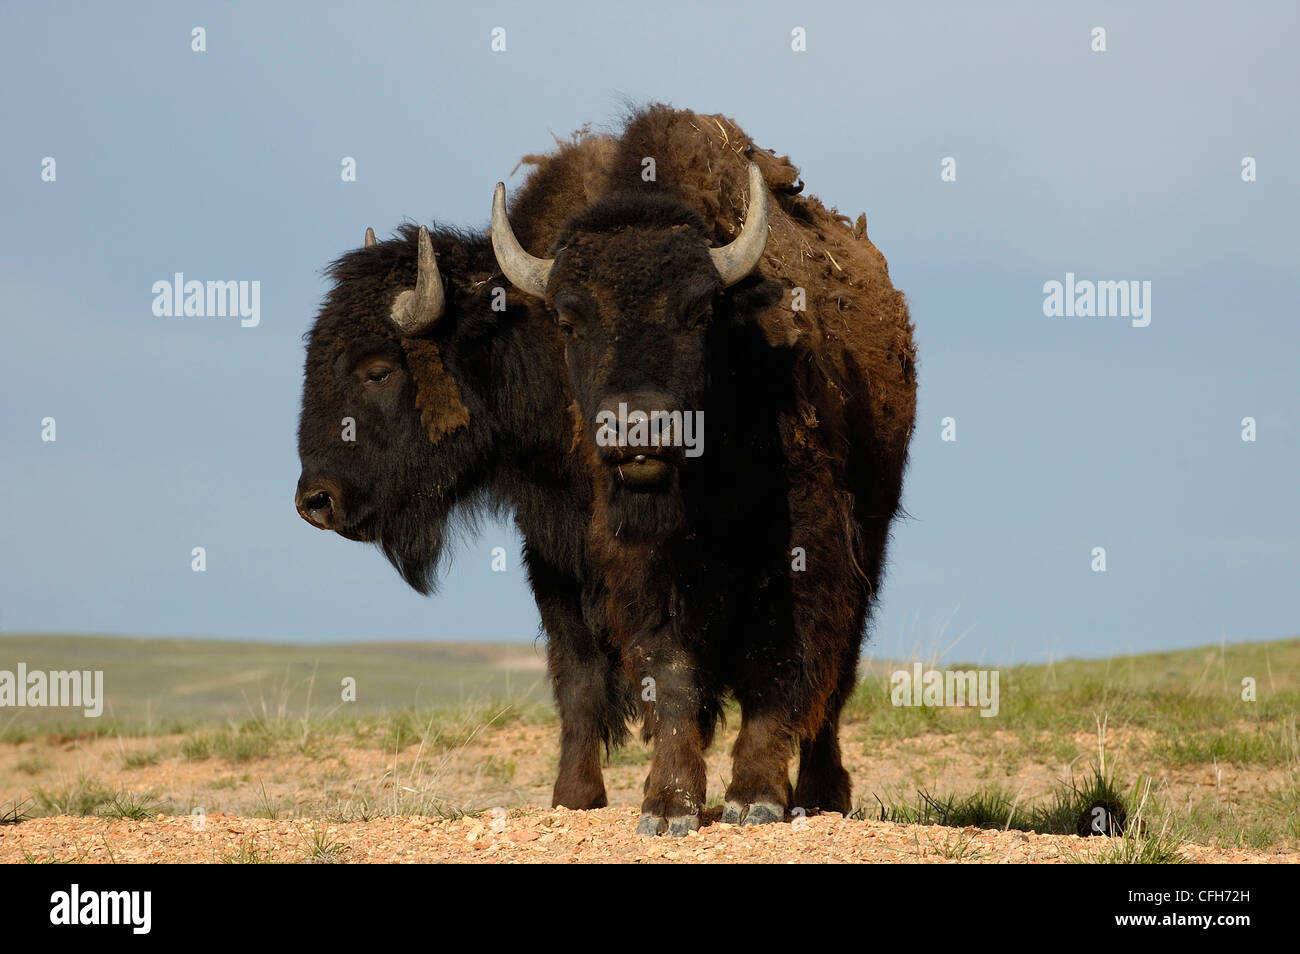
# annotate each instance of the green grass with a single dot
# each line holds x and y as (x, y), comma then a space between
(1140, 844)
(249, 853)
(1026, 704)
(432, 730)
(29, 858)
(1098, 805)
(267, 806)
(958, 846)
(995, 807)
(1272, 744)
(443, 728)
(14, 812)
(323, 850)
(254, 739)
(129, 805)
(1260, 821)
(1180, 712)
(172, 686)
(1063, 812)
(87, 796)
(986, 808)
(141, 759)
(1139, 851)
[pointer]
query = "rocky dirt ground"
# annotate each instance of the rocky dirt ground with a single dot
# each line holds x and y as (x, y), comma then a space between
(544, 836)
(350, 803)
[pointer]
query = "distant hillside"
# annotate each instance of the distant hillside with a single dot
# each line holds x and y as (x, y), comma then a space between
(153, 684)
(150, 683)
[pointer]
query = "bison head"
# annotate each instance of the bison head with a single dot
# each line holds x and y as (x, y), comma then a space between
(637, 291)
(389, 439)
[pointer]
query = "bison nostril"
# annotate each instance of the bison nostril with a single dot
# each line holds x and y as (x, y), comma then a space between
(320, 503)
(318, 509)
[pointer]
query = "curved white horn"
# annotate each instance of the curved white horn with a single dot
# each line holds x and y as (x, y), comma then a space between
(526, 272)
(739, 258)
(370, 238)
(416, 310)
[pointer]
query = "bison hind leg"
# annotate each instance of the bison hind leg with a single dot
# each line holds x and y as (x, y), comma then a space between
(823, 783)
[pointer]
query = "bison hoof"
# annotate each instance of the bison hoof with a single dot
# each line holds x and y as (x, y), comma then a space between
(678, 826)
(682, 825)
(651, 825)
(757, 813)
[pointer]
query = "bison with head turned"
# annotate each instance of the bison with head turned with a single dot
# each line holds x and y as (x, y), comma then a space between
(423, 398)
(751, 568)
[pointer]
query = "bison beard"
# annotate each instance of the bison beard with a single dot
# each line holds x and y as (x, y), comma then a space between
(412, 542)
(752, 570)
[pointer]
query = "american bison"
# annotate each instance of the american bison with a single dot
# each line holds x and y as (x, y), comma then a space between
(751, 568)
(423, 399)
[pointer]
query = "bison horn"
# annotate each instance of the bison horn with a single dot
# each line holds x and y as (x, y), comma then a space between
(370, 238)
(416, 310)
(526, 272)
(738, 259)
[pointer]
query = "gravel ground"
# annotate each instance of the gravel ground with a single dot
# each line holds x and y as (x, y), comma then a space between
(543, 836)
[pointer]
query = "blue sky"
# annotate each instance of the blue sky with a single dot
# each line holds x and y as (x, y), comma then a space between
(1072, 433)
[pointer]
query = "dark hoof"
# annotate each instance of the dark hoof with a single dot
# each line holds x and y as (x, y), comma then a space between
(682, 825)
(757, 813)
(678, 826)
(828, 797)
(651, 825)
(763, 813)
(580, 802)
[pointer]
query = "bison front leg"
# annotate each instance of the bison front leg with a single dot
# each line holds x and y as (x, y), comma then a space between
(759, 792)
(674, 702)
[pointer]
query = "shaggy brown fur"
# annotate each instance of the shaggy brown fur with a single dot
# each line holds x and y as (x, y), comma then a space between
(810, 413)
(856, 326)
(436, 394)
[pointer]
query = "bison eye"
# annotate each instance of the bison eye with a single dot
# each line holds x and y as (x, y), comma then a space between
(377, 372)
(568, 327)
